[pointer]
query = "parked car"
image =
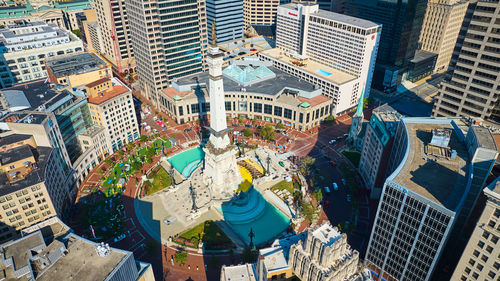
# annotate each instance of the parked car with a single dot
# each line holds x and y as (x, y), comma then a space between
(348, 198)
(327, 190)
(335, 186)
(188, 130)
(343, 182)
(248, 126)
(234, 125)
(332, 141)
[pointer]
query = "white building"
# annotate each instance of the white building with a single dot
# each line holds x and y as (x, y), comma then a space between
(25, 46)
(341, 42)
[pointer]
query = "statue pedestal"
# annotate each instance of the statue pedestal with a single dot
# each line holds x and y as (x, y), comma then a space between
(221, 167)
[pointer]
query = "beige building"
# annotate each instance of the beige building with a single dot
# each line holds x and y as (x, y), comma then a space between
(31, 183)
(259, 92)
(114, 32)
(111, 107)
(442, 22)
(76, 70)
(259, 13)
(51, 251)
(26, 46)
(481, 257)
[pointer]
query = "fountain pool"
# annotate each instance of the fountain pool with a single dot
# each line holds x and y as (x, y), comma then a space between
(251, 211)
(187, 161)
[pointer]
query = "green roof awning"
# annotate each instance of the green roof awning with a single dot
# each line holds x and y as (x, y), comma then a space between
(305, 104)
(176, 97)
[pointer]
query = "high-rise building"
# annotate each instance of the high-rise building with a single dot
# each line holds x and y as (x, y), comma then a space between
(346, 44)
(112, 107)
(471, 87)
(114, 29)
(481, 257)
(68, 105)
(32, 185)
(94, 40)
(377, 145)
(440, 29)
(256, 12)
(228, 18)
(49, 250)
(170, 41)
(434, 175)
(401, 21)
(26, 45)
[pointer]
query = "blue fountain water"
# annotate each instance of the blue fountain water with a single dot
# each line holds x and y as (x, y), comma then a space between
(187, 161)
(252, 211)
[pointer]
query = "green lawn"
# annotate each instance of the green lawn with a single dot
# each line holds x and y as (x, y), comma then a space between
(284, 185)
(211, 235)
(353, 156)
(161, 179)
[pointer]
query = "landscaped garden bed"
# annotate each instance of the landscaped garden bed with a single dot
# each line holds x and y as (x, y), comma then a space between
(209, 232)
(159, 180)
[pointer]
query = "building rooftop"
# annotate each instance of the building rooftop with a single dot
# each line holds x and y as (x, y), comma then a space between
(269, 86)
(485, 138)
(421, 55)
(325, 72)
(97, 82)
(109, 94)
(15, 154)
(73, 64)
(326, 234)
(433, 172)
(353, 21)
(38, 95)
(9, 139)
(51, 229)
(245, 47)
(244, 272)
(92, 131)
(82, 262)
(28, 117)
(20, 250)
(36, 175)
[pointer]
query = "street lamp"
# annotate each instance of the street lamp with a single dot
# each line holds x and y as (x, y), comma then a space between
(268, 160)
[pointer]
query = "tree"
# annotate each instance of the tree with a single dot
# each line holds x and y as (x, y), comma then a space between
(305, 165)
(180, 257)
(77, 33)
(329, 119)
(109, 161)
(280, 126)
(247, 133)
(318, 195)
(307, 210)
(267, 132)
(143, 138)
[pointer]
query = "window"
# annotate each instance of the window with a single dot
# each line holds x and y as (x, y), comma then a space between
(467, 270)
(479, 266)
(496, 265)
(489, 249)
(484, 258)
(288, 113)
(472, 262)
(494, 239)
(227, 105)
(491, 274)
(476, 253)
(257, 107)
(278, 111)
(475, 275)
(480, 244)
(268, 109)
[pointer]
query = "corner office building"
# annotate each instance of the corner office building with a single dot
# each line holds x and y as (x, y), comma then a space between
(169, 40)
(347, 44)
(472, 86)
(437, 176)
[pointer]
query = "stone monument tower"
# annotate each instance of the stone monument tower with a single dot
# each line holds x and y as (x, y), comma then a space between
(220, 154)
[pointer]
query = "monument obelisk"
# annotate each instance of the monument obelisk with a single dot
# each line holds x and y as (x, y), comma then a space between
(220, 154)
